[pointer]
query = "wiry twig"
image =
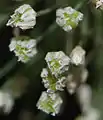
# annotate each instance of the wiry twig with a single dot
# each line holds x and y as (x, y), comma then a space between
(84, 30)
(70, 40)
(81, 4)
(16, 32)
(46, 11)
(9, 66)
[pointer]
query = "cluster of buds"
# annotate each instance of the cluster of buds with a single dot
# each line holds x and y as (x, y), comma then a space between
(23, 47)
(54, 76)
(24, 17)
(68, 18)
(78, 76)
(57, 63)
(50, 103)
(79, 73)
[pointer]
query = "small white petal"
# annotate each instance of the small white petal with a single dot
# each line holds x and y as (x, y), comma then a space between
(78, 56)
(12, 45)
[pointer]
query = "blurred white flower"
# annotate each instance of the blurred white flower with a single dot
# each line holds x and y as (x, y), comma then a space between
(51, 83)
(84, 95)
(99, 3)
(84, 75)
(6, 102)
(78, 56)
(50, 103)
(68, 18)
(23, 47)
(58, 63)
(77, 77)
(71, 87)
(93, 114)
(23, 17)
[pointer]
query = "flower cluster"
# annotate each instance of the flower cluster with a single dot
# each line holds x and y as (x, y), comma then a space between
(68, 18)
(23, 17)
(54, 76)
(79, 73)
(50, 103)
(23, 47)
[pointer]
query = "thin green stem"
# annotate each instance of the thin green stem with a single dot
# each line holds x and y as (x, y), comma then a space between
(81, 4)
(8, 67)
(46, 11)
(69, 36)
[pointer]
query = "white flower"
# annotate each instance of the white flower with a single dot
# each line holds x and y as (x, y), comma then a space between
(23, 47)
(68, 18)
(23, 17)
(50, 103)
(57, 62)
(6, 102)
(78, 56)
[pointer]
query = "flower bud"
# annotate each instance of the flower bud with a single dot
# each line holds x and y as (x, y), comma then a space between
(51, 83)
(58, 63)
(68, 18)
(23, 47)
(50, 103)
(23, 17)
(78, 56)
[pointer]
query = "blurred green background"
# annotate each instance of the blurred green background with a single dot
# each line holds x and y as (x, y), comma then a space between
(89, 34)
